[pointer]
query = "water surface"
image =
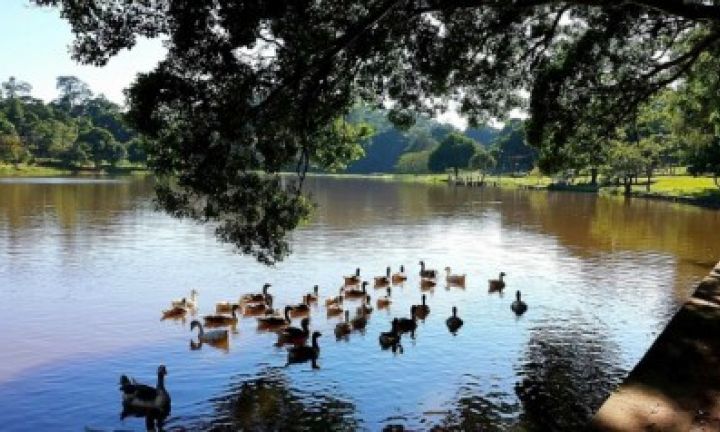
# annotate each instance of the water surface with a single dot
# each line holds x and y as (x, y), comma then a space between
(86, 266)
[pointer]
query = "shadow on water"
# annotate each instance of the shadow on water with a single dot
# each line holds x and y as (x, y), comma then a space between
(268, 402)
(565, 375)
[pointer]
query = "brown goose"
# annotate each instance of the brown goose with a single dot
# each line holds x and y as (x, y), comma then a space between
(399, 277)
(300, 309)
(381, 281)
(365, 308)
(497, 284)
(211, 320)
(454, 279)
(274, 321)
(353, 279)
(383, 302)
(313, 296)
(427, 273)
(257, 297)
(357, 293)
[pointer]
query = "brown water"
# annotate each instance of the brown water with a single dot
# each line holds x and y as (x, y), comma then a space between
(86, 266)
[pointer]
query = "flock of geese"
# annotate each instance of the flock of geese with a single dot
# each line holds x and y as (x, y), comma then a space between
(153, 403)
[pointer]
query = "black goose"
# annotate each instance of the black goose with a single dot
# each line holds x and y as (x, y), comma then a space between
(295, 335)
(343, 328)
(141, 400)
(301, 354)
(391, 338)
(518, 306)
(454, 322)
(408, 324)
(427, 273)
(365, 308)
(275, 321)
(360, 321)
(422, 310)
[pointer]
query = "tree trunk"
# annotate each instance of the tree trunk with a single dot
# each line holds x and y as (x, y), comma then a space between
(456, 171)
(593, 176)
(716, 179)
(649, 177)
(628, 185)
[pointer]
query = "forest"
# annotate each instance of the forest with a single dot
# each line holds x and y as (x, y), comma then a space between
(77, 130)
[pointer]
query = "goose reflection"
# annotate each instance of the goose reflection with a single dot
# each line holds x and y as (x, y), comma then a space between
(270, 402)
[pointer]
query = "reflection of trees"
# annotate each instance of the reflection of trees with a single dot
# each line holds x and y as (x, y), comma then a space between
(268, 403)
(568, 369)
(67, 202)
(476, 412)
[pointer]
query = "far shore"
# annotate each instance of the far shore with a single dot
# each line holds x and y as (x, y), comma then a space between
(685, 189)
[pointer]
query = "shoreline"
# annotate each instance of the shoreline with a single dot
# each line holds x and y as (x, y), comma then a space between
(676, 385)
(707, 197)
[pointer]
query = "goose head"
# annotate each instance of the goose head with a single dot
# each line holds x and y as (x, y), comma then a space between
(265, 288)
(195, 323)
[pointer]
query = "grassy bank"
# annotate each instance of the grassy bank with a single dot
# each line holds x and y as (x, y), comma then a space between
(23, 170)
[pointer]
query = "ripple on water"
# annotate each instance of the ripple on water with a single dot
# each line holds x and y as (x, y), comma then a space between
(87, 266)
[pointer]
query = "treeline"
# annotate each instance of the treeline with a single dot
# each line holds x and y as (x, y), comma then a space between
(76, 130)
(430, 146)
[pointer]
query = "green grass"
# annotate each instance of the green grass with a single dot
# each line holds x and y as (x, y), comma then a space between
(22, 170)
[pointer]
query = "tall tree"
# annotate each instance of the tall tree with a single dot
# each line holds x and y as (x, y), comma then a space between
(453, 152)
(14, 88)
(248, 86)
(73, 93)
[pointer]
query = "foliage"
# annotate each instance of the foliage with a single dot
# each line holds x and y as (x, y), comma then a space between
(513, 152)
(258, 85)
(413, 162)
(482, 160)
(72, 130)
(454, 152)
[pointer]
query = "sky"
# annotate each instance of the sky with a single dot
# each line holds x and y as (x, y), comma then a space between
(34, 47)
(35, 44)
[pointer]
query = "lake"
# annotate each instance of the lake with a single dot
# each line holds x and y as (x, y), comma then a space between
(87, 266)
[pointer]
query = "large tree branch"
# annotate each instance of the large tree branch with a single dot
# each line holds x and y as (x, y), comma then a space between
(686, 9)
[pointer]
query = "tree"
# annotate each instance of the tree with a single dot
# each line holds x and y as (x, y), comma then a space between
(15, 88)
(453, 152)
(413, 162)
(73, 93)
(136, 152)
(625, 162)
(247, 87)
(483, 161)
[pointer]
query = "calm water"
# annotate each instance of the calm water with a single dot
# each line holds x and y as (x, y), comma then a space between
(86, 267)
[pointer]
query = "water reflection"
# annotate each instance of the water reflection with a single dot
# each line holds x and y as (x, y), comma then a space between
(567, 368)
(599, 286)
(269, 402)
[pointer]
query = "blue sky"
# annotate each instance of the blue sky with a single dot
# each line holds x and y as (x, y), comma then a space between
(34, 44)
(34, 47)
